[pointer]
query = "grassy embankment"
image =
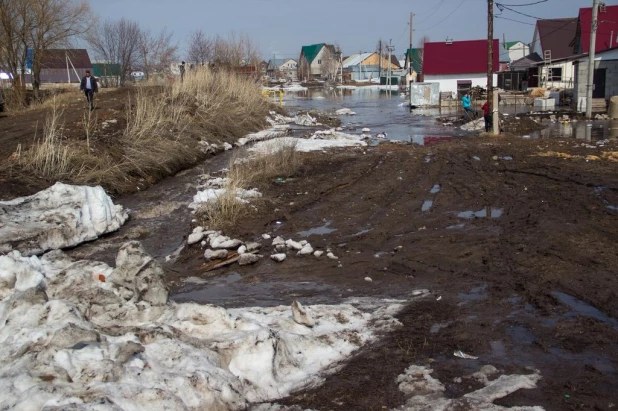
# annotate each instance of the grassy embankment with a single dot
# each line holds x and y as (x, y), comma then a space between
(160, 131)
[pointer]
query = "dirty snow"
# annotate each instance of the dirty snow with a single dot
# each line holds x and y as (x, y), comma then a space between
(475, 125)
(321, 140)
(58, 217)
(83, 334)
(275, 131)
(425, 392)
(212, 194)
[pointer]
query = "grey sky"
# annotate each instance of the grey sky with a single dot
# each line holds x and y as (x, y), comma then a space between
(283, 26)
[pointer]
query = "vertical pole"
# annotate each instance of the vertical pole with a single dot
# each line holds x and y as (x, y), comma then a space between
(411, 33)
(490, 62)
(593, 42)
(66, 56)
(380, 64)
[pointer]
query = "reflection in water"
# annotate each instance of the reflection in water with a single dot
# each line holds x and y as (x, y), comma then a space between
(389, 113)
(487, 211)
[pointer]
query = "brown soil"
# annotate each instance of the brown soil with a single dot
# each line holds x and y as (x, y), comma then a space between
(499, 278)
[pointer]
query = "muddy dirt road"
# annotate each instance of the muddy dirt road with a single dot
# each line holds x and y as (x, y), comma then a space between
(518, 250)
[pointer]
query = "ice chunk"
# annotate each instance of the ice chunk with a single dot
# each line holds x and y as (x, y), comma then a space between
(58, 217)
(278, 257)
(300, 315)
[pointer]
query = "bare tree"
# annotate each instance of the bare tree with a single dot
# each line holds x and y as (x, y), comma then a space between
(200, 47)
(422, 41)
(14, 29)
(54, 23)
(330, 64)
(117, 42)
(304, 69)
(235, 51)
(156, 51)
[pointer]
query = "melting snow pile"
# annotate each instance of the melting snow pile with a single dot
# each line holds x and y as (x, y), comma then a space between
(58, 217)
(216, 187)
(321, 140)
(98, 337)
(425, 392)
(476, 125)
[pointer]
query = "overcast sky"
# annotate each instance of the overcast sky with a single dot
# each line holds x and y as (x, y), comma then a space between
(281, 27)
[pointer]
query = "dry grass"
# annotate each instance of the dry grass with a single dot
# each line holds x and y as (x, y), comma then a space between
(281, 160)
(51, 156)
(164, 126)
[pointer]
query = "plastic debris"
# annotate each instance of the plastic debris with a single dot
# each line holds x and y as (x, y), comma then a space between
(462, 354)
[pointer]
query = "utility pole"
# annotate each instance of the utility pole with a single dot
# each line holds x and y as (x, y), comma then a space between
(410, 56)
(490, 67)
(591, 51)
(380, 66)
(390, 53)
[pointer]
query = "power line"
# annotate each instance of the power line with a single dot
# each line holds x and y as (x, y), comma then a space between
(502, 7)
(451, 13)
(516, 21)
(433, 12)
(524, 5)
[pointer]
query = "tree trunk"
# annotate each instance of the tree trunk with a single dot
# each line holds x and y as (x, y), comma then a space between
(36, 78)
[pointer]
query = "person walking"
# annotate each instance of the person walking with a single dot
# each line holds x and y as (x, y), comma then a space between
(467, 106)
(487, 116)
(89, 86)
(182, 72)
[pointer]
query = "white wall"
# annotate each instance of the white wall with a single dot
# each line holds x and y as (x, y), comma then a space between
(568, 75)
(518, 51)
(316, 65)
(449, 82)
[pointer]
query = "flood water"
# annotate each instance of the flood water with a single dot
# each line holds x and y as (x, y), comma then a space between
(388, 112)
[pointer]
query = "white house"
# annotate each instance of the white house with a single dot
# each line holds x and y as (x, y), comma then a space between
(605, 77)
(516, 50)
(458, 65)
(318, 61)
(282, 68)
(553, 41)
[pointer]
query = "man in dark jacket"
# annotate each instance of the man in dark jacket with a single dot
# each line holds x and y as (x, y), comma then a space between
(89, 86)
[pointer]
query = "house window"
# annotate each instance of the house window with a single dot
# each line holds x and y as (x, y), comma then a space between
(556, 74)
(319, 61)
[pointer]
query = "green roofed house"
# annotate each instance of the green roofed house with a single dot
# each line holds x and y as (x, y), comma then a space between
(317, 61)
(416, 56)
(516, 50)
(107, 74)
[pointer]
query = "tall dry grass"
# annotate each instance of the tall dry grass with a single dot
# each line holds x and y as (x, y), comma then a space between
(164, 124)
(245, 172)
(50, 156)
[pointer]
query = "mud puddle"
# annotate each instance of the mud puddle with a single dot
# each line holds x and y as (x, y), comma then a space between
(234, 290)
(321, 230)
(486, 212)
(159, 216)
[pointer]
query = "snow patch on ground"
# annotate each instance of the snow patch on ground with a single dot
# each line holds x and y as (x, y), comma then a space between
(476, 125)
(212, 194)
(425, 392)
(58, 217)
(321, 140)
(83, 335)
(277, 130)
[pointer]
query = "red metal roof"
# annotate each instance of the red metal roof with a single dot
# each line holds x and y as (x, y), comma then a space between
(460, 57)
(608, 24)
(557, 35)
(57, 59)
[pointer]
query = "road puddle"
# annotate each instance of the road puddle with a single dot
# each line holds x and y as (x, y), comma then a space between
(435, 189)
(234, 290)
(427, 205)
(483, 213)
(321, 230)
(579, 307)
(476, 294)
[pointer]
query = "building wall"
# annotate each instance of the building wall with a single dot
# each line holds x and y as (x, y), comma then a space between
(568, 75)
(316, 64)
(581, 78)
(448, 83)
(518, 51)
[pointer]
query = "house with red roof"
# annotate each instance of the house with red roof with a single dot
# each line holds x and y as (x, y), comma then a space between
(553, 41)
(607, 30)
(458, 65)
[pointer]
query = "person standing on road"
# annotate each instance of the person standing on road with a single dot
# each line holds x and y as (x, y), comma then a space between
(182, 72)
(89, 86)
(487, 116)
(467, 106)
